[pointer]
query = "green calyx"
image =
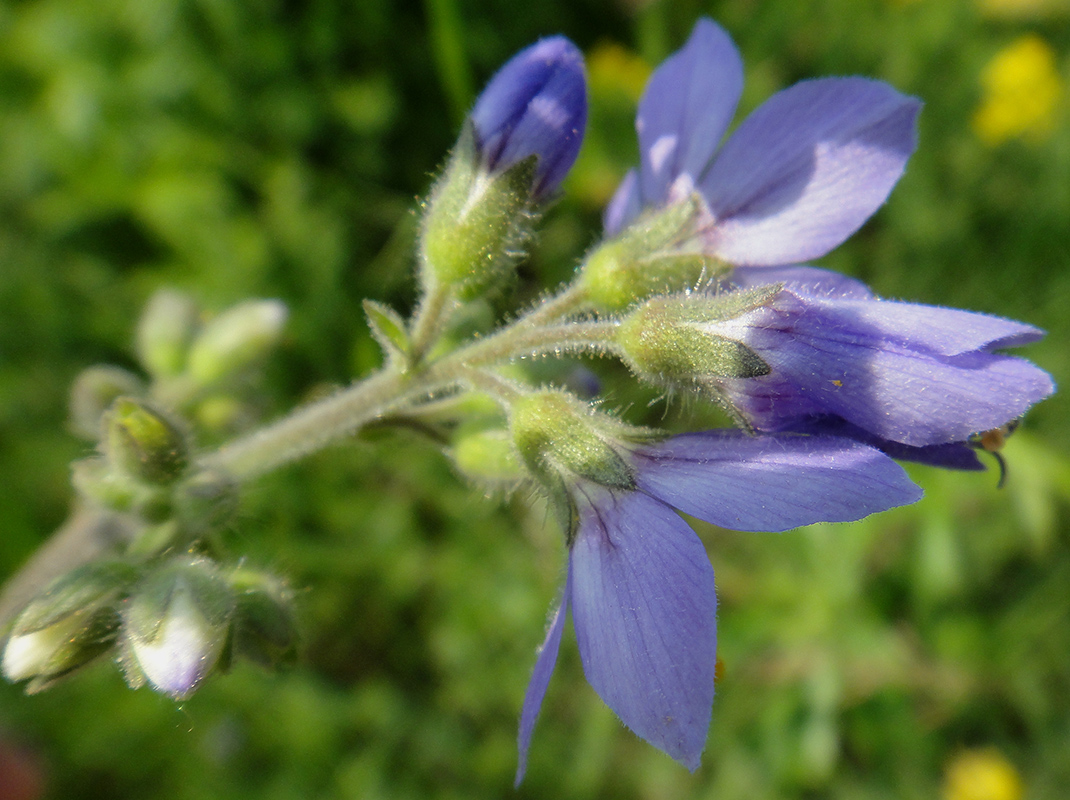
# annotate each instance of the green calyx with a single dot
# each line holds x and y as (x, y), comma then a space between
(153, 597)
(487, 456)
(93, 392)
(80, 592)
(476, 223)
(554, 433)
(265, 627)
(676, 340)
(74, 620)
(656, 254)
(142, 443)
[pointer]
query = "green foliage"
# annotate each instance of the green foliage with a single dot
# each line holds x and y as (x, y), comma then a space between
(273, 149)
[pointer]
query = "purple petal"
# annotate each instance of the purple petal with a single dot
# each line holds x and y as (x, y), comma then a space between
(807, 168)
(686, 109)
(540, 679)
(918, 375)
(953, 455)
(624, 206)
(644, 608)
(811, 281)
(535, 105)
(946, 331)
(771, 482)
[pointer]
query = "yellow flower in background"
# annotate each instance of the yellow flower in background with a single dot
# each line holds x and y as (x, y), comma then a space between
(983, 774)
(611, 67)
(1021, 90)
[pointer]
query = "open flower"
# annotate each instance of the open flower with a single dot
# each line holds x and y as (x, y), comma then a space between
(793, 181)
(905, 373)
(835, 359)
(640, 586)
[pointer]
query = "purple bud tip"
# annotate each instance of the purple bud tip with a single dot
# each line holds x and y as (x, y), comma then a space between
(535, 105)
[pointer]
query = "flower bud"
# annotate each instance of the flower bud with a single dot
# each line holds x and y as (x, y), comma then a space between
(175, 626)
(93, 392)
(265, 629)
(164, 332)
(155, 539)
(221, 415)
(536, 105)
(96, 480)
(487, 456)
(72, 622)
(143, 443)
(671, 341)
(520, 141)
(235, 341)
(476, 223)
(656, 254)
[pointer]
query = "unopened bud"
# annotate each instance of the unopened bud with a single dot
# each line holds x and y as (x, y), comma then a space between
(488, 456)
(476, 223)
(93, 392)
(205, 500)
(535, 105)
(519, 143)
(222, 415)
(98, 481)
(175, 626)
(236, 340)
(95, 480)
(164, 332)
(144, 444)
(72, 622)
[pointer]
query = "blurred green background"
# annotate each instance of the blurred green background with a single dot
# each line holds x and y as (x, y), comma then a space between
(277, 149)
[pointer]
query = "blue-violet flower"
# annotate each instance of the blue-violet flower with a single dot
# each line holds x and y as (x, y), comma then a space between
(793, 181)
(534, 105)
(640, 586)
(844, 362)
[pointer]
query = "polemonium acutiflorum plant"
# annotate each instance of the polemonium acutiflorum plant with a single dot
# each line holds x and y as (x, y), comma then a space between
(698, 286)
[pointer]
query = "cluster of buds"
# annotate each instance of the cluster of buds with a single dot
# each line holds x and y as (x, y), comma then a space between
(198, 380)
(146, 470)
(170, 622)
(201, 370)
(160, 600)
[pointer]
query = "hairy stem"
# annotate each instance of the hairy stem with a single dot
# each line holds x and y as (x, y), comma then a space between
(312, 428)
(429, 320)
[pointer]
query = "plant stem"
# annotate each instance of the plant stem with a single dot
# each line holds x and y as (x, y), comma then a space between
(312, 428)
(308, 429)
(428, 321)
(557, 307)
